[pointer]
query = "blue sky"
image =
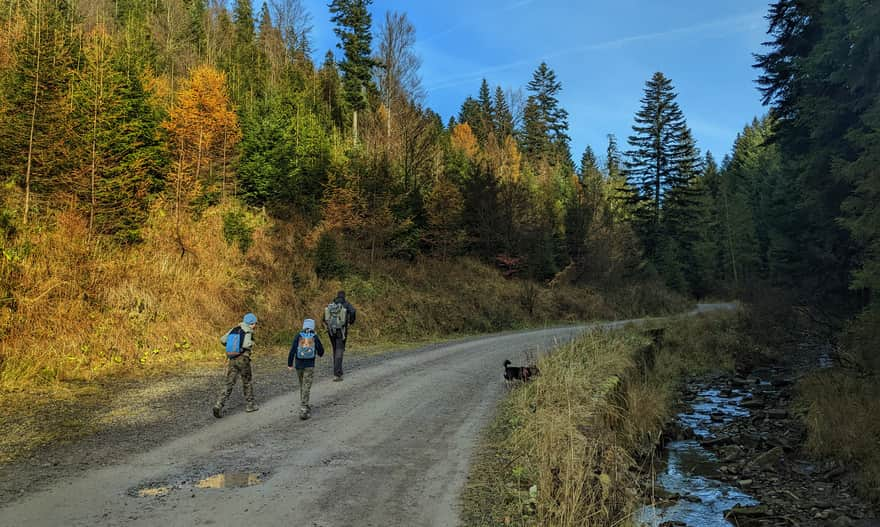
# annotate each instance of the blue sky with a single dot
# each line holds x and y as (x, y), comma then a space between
(601, 51)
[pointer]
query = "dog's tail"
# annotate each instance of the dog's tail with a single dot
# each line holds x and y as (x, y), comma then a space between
(506, 363)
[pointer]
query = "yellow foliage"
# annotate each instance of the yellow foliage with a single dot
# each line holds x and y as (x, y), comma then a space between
(511, 161)
(463, 138)
(203, 115)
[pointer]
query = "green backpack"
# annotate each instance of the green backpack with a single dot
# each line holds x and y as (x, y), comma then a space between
(336, 318)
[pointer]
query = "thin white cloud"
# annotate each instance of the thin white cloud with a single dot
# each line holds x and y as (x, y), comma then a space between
(735, 24)
(472, 19)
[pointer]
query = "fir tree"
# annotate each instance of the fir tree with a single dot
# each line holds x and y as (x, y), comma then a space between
(661, 148)
(503, 115)
(546, 123)
(353, 22)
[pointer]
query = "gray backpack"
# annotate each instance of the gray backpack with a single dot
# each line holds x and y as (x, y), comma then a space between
(336, 318)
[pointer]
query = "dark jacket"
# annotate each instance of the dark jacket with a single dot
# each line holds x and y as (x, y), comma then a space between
(304, 363)
(350, 316)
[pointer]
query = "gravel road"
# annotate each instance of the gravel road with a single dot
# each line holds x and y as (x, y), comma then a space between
(389, 446)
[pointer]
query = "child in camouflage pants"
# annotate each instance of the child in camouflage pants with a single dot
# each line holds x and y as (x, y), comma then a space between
(306, 346)
(239, 365)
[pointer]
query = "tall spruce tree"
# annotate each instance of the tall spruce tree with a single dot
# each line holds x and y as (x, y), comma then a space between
(353, 27)
(658, 158)
(545, 122)
(503, 115)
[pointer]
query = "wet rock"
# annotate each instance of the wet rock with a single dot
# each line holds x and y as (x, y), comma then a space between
(744, 516)
(777, 413)
(752, 404)
(730, 453)
(767, 459)
(745, 483)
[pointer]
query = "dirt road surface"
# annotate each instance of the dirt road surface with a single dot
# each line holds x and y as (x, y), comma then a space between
(389, 446)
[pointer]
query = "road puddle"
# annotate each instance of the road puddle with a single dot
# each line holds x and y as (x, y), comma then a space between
(230, 480)
(688, 490)
(153, 492)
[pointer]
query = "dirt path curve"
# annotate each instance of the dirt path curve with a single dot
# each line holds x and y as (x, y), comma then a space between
(390, 446)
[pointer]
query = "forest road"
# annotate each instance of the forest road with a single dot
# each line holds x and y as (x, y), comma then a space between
(389, 446)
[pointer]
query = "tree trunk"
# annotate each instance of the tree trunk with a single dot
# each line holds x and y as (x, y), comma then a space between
(97, 103)
(223, 191)
(354, 118)
(179, 185)
(30, 157)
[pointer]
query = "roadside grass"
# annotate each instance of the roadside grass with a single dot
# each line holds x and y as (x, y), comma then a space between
(570, 448)
(842, 414)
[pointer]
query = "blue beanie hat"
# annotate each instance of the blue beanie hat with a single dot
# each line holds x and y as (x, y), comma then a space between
(250, 319)
(308, 324)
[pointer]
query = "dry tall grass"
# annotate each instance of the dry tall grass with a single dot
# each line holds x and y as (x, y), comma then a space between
(78, 310)
(568, 449)
(842, 414)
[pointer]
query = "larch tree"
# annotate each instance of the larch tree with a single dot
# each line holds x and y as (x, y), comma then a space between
(201, 122)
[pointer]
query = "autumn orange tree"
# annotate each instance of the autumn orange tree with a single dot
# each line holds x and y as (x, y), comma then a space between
(202, 125)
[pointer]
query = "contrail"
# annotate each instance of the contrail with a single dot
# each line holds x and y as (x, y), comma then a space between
(740, 22)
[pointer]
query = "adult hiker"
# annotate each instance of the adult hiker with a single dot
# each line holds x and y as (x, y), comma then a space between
(306, 346)
(239, 342)
(338, 316)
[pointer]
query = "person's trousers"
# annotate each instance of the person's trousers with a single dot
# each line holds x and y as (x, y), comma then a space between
(338, 352)
(235, 367)
(305, 376)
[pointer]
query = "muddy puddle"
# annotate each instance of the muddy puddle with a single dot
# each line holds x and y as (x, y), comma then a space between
(688, 488)
(221, 480)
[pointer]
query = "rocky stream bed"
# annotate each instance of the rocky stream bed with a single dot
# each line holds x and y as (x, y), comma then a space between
(735, 456)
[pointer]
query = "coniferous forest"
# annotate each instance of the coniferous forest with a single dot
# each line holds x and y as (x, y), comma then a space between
(125, 122)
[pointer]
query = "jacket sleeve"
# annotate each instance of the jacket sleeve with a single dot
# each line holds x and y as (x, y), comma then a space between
(319, 347)
(292, 353)
(352, 313)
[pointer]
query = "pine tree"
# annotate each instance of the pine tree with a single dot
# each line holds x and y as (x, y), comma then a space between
(503, 116)
(353, 22)
(120, 158)
(469, 112)
(244, 53)
(659, 147)
(34, 128)
(485, 119)
(545, 122)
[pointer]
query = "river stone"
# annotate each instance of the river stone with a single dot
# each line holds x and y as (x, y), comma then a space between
(752, 404)
(768, 458)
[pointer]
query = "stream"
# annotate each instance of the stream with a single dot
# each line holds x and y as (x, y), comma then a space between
(688, 489)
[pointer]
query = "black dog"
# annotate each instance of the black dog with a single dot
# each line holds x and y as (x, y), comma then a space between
(519, 373)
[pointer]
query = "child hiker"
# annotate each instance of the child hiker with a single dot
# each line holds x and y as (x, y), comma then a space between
(302, 357)
(239, 342)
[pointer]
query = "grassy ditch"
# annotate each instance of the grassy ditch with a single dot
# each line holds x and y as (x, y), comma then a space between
(570, 447)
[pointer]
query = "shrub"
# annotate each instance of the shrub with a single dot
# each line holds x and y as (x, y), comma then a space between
(328, 264)
(237, 230)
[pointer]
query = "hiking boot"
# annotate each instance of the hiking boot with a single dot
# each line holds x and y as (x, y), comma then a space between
(337, 378)
(304, 413)
(217, 411)
(251, 408)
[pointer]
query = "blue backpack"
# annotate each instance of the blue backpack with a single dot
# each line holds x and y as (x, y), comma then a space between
(306, 347)
(234, 342)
